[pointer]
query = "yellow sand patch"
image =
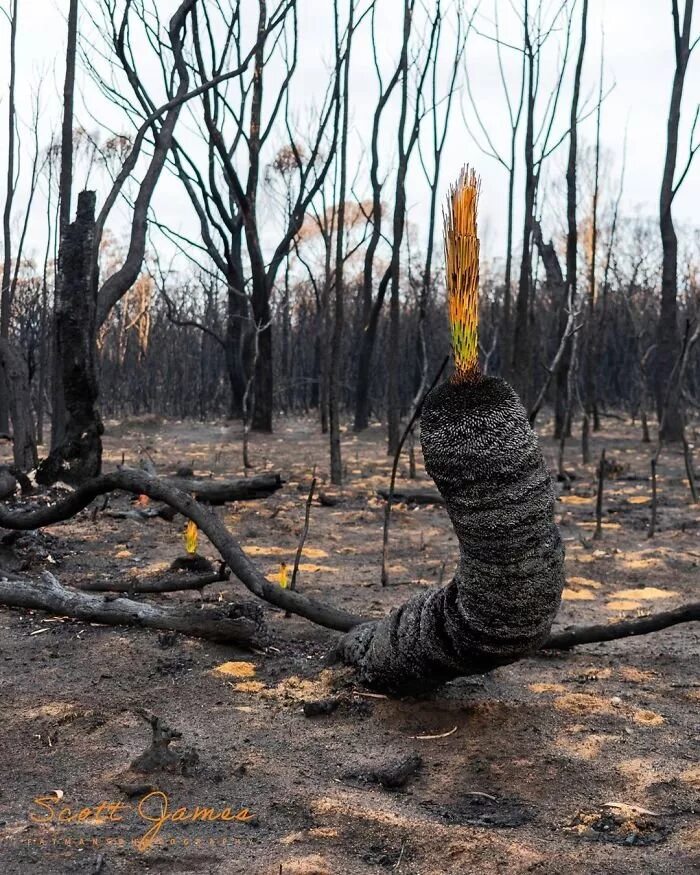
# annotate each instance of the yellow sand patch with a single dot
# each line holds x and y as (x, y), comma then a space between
(638, 499)
(235, 669)
(587, 747)
(623, 605)
(123, 554)
(576, 499)
(313, 864)
(249, 687)
(577, 595)
(583, 703)
(691, 776)
(585, 558)
(636, 675)
(591, 525)
(585, 581)
(641, 770)
(641, 563)
(691, 837)
(547, 688)
(647, 718)
(51, 709)
(301, 689)
(257, 550)
(647, 593)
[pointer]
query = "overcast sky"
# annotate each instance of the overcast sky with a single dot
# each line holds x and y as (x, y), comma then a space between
(639, 64)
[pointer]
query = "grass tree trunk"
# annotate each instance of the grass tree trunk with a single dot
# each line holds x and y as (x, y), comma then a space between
(485, 460)
(79, 454)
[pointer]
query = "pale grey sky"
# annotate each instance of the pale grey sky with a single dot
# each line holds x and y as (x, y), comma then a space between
(638, 58)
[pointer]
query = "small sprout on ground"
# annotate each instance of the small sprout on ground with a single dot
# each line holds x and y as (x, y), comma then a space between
(191, 537)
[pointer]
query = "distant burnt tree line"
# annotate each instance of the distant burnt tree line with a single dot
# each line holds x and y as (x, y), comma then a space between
(175, 369)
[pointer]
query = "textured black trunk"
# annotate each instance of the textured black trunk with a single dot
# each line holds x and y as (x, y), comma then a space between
(484, 457)
(364, 365)
(79, 455)
(20, 406)
(236, 317)
(666, 389)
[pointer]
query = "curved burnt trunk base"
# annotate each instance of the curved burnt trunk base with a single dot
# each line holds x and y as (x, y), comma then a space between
(485, 460)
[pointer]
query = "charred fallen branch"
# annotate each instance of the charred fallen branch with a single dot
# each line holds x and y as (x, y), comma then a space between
(623, 629)
(231, 624)
(141, 483)
(216, 625)
(223, 491)
(410, 495)
(172, 583)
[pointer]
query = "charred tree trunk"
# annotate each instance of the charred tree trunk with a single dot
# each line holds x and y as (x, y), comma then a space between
(485, 460)
(79, 454)
(20, 405)
(65, 186)
(336, 462)
(520, 365)
(6, 288)
(236, 363)
(264, 381)
(557, 287)
(668, 392)
(364, 366)
(564, 404)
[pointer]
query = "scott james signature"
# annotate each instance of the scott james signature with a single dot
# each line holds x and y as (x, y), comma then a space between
(153, 809)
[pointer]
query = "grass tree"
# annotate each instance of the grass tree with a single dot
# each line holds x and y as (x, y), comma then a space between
(484, 458)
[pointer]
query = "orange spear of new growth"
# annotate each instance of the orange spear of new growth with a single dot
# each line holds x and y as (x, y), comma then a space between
(191, 537)
(462, 273)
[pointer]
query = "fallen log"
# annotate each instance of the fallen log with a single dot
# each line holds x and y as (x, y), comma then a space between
(225, 624)
(412, 496)
(141, 483)
(172, 583)
(222, 491)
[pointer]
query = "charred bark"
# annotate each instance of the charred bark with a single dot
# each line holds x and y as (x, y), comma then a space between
(20, 405)
(486, 462)
(226, 624)
(78, 456)
(667, 391)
